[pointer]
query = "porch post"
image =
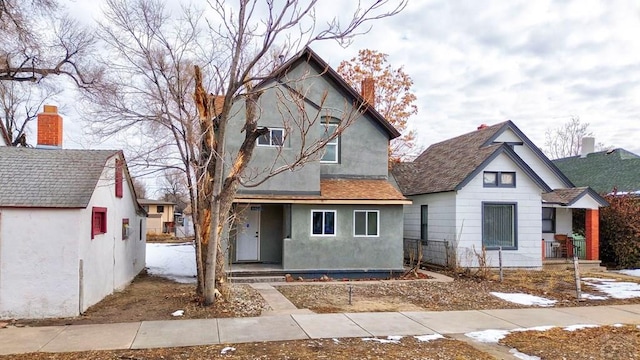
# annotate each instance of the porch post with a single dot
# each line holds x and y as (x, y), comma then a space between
(592, 225)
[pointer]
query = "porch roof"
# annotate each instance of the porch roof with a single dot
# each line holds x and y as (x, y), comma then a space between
(570, 197)
(336, 191)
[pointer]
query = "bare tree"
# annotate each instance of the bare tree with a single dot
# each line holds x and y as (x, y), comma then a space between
(19, 106)
(153, 73)
(139, 188)
(38, 40)
(566, 140)
(174, 188)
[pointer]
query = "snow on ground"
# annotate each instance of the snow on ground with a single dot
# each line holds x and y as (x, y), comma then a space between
(173, 261)
(523, 356)
(633, 272)
(524, 299)
(427, 338)
(593, 297)
(388, 340)
(613, 288)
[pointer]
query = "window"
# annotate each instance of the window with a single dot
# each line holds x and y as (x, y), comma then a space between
(160, 209)
(98, 221)
(275, 137)
(499, 225)
(331, 150)
(548, 220)
(125, 229)
(424, 222)
(499, 179)
(366, 223)
(118, 178)
(323, 222)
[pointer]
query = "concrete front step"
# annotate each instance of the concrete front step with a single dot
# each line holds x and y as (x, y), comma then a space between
(255, 279)
(563, 264)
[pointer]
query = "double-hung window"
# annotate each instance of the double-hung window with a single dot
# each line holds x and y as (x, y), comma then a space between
(499, 179)
(548, 220)
(424, 223)
(499, 225)
(275, 137)
(98, 221)
(323, 222)
(332, 149)
(366, 223)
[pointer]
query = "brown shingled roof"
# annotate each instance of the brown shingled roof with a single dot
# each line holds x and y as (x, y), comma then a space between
(443, 166)
(339, 191)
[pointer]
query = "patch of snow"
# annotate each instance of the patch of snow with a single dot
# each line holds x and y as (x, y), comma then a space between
(598, 279)
(632, 272)
(395, 337)
(617, 325)
(615, 289)
(578, 327)
(523, 356)
(173, 261)
(383, 341)
(524, 299)
(227, 349)
(427, 338)
(336, 341)
(177, 313)
(488, 336)
(593, 297)
(493, 335)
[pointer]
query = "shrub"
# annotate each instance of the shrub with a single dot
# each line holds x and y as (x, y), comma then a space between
(620, 231)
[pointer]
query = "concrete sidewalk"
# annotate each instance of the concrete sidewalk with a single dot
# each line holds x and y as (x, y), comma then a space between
(173, 333)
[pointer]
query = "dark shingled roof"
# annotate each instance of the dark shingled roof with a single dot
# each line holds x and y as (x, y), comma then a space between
(603, 171)
(567, 197)
(49, 178)
(443, 166)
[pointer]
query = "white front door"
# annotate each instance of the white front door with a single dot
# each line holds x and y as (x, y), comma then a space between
(248, 241)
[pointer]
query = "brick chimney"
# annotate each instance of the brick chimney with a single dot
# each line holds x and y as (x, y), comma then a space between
(50, 127)
(482, 126)
(369, 90)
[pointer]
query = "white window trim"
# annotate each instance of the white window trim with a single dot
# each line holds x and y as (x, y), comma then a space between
(335, 142)
(366, 227)
(271, 138)
(335, 223)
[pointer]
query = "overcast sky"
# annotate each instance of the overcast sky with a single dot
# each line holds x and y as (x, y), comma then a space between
(536, 63)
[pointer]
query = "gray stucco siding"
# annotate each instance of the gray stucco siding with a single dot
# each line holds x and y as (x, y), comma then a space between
(344, 251)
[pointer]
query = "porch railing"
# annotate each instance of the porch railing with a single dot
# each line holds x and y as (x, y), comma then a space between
(436, 252)
(558, 250)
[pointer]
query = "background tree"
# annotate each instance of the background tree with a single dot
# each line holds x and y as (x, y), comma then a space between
(566, 140)
(139, 187)
(39, 40)
(150, 92)
(393, 96)
(174, 188)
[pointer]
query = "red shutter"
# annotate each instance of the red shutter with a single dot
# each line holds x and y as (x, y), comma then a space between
(118, 178)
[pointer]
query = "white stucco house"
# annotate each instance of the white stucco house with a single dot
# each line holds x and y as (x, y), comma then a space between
(493, 188)
(71, 230)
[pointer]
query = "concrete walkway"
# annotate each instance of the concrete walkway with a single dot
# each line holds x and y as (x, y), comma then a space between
(153, 334)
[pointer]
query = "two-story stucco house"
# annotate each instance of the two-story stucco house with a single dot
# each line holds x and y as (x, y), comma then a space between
(71, 230)
(160, 216)
(337, 213)
(493, 188)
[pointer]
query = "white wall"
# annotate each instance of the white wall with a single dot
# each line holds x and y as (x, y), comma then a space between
(110, 263)
(39, 262)
(468, 217)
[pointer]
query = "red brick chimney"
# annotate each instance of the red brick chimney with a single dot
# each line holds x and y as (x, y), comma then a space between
(369, 90)
(482, 126)
(50, 127)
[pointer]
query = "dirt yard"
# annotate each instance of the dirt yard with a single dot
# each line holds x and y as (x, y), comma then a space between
(153, 298)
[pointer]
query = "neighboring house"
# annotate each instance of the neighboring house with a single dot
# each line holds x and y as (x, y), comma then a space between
(71, 230)
(184, 223)
(488, 189)
(160, 219)
(336, 214)
(4, 136)
(610, 171)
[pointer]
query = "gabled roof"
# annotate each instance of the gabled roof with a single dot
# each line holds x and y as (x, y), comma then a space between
(309, 56)
(50, 178)
(568, 197)
(451, 164)
(336, 191)
(4, 135)
(604, 171)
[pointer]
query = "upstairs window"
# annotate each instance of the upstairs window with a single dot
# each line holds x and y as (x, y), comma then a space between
(118, 178)
(160, 209)
(332, 149)
(499, 179)
(98, 221)
(275, 137)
